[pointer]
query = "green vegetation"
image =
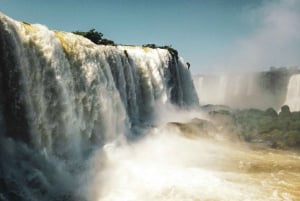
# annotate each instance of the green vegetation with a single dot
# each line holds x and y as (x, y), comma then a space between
(276, 130)
(105, 41)
(172, 51)
(95, 36)
(26, 23)
(153, 46)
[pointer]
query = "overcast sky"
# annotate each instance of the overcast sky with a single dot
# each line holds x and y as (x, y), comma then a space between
(212, 35)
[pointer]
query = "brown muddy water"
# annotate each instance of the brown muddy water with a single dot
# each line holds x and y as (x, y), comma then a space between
(168, 165)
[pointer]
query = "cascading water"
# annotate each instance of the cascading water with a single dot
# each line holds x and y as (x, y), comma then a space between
(66, 98)
(70, 111)
(62, 96)
(225, 89)
(293, 93)
(248, 90)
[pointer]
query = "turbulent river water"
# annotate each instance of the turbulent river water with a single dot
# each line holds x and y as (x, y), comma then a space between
(168, 165)
(85, 122)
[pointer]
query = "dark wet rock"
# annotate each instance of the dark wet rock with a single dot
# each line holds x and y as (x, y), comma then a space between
(195, 128)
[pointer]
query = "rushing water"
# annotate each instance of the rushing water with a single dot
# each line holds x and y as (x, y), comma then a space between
(233, 90)
(166, 165)
(85, 122)
(260, 90)
(293, 93)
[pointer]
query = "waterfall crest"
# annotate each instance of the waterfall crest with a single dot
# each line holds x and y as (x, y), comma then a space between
(69, 88)
(62, 96)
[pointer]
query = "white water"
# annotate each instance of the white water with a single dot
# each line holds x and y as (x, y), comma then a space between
(232, 90)
(248, 90)
(293, 93)
(75, 90)
(168, 166)
(81, 102)
(69, 97)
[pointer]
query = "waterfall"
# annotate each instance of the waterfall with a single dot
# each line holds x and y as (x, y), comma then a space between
(243, 90)
(61, 96)
(68, 88)
(65, 96)
(293, 93)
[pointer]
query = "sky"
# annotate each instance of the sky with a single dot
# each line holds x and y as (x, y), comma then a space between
(212, 35)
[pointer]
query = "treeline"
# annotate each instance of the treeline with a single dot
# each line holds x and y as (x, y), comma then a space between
(252, 125)
(97, 38)
(172, 51)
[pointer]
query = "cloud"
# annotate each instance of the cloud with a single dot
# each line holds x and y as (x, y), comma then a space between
(276, 41)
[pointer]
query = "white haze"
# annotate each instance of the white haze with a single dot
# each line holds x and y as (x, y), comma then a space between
(161, 167)
(293, 93)
(166, 165)
(276, 41)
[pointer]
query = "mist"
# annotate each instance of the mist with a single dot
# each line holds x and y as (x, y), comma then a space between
(79, 121)
(171, 164)
(275, 40)
(266, 56)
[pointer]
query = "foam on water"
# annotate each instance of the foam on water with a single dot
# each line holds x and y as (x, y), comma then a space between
(168, 166)
(72, 117)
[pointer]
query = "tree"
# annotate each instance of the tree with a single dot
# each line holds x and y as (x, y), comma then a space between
(171, 50)
(92, 34)
(105, 41)
(95, 36)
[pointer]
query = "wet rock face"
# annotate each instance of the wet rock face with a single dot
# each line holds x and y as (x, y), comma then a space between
(196, 128)
(275, 83)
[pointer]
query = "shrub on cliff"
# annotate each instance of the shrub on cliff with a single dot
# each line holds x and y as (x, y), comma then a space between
(95, 36)
(106, 42)
(292, 138)
(271, 112)
(150, 46)
(171, 50)
(92, 34)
